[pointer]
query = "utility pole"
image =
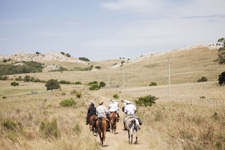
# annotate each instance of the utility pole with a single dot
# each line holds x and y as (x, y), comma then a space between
(169, 78)
(108, 80)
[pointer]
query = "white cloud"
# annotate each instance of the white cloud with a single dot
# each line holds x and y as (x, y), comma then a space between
(8, 22)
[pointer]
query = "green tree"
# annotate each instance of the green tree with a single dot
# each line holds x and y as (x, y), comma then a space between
(68, 55)
(222, 78)
(222, 40)
(52, 84)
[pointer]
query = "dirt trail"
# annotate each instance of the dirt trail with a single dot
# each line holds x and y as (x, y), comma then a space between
(120, 139)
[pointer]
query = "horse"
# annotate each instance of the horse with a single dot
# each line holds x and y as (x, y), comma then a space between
(113, 117)
(102, 125)
(91, 123)
(131, 124)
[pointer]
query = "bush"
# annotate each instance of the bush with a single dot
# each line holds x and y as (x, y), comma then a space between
(95, 87)
(49, 129)
(153, 84)
(98, 67)
(67, 103)
(102, 84)
(52, 84)
(27, 78)
(84, 58)
(222, 78)
(78, 95)
(116, 96)
(14, 83)
(146, 100)
(5, 60)
(77, 83)
(203, 79)
(93, 82)
(68, 55)
(9, 124)
(3, 77)
(64, 82)
(19, 78)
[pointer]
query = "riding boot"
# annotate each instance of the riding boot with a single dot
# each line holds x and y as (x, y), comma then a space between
(94, 125)
(108, 129)
(139, 120)
(118, 117)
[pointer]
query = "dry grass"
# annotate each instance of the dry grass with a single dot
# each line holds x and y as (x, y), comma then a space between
(166, 125)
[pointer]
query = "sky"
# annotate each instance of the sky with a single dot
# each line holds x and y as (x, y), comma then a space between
(108, 29)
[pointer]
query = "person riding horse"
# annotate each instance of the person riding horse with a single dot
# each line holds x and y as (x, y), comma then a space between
(101, 111)
(113, 107)
(130, 111)
(91, 111)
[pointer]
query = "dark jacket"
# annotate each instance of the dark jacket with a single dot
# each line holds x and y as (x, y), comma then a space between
(91, 110)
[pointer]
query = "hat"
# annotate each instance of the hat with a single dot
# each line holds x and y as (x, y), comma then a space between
(128, 102)
(101, 102)
(91, 101)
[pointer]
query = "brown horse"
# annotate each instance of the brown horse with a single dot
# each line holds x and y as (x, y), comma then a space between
(113, 117)
(91, 123)
(102, 125)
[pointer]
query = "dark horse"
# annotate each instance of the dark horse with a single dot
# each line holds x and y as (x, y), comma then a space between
(113, 117)
(102, 125)
(91, 123)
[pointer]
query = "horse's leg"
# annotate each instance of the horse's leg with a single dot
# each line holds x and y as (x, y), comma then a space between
(128, 135)
(136, 136)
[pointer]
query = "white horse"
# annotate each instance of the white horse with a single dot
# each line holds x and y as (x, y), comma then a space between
(131, 124)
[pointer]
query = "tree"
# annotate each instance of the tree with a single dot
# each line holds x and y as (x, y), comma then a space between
(38, 53)
(222, 78)
(222, 40)
(52, 84)
(68, 55)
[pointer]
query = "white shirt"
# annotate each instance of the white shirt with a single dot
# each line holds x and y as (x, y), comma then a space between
(113, 107)
(101, 111)
(130, 109)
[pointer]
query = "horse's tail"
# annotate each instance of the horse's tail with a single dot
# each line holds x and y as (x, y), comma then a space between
(100, 123)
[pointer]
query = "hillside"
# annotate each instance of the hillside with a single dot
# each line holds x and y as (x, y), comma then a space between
(186, 65)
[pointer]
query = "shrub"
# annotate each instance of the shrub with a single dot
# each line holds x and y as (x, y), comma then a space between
(116, 96)
(98, 67)
(84, 58)
(68, 55)
(64, 82)
(67, 103)
(102, 84)
(203, 79)
(153, 84)
(9, 124)
(78, 95)
(19, 78)
(62, 53)
(95, 87)
(146, 100)
(14, 83)
(27, 78)
(49, 129)
(52, 84)
(77, 83)
(38, 53)
(3, 77)
(222, 78)
(5, 60)
(93, 82)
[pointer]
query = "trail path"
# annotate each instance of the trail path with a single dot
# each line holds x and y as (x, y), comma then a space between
(120, 139)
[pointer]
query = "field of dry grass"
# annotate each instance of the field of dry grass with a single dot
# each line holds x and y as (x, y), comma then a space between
(166, 125)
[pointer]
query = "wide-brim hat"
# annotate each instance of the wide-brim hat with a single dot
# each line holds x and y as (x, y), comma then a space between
(101, 102)
(91, 101)
(128, 102)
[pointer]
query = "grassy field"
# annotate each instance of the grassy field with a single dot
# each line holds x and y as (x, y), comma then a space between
(167, 125)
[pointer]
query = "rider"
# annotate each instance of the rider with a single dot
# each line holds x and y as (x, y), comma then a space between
(113, 107)
(102, 111)
(91, 111)
(130, 110)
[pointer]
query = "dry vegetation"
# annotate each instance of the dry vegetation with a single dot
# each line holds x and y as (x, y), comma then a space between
(166, 125)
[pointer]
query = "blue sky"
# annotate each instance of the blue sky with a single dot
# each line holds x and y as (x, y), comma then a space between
(108, 29)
